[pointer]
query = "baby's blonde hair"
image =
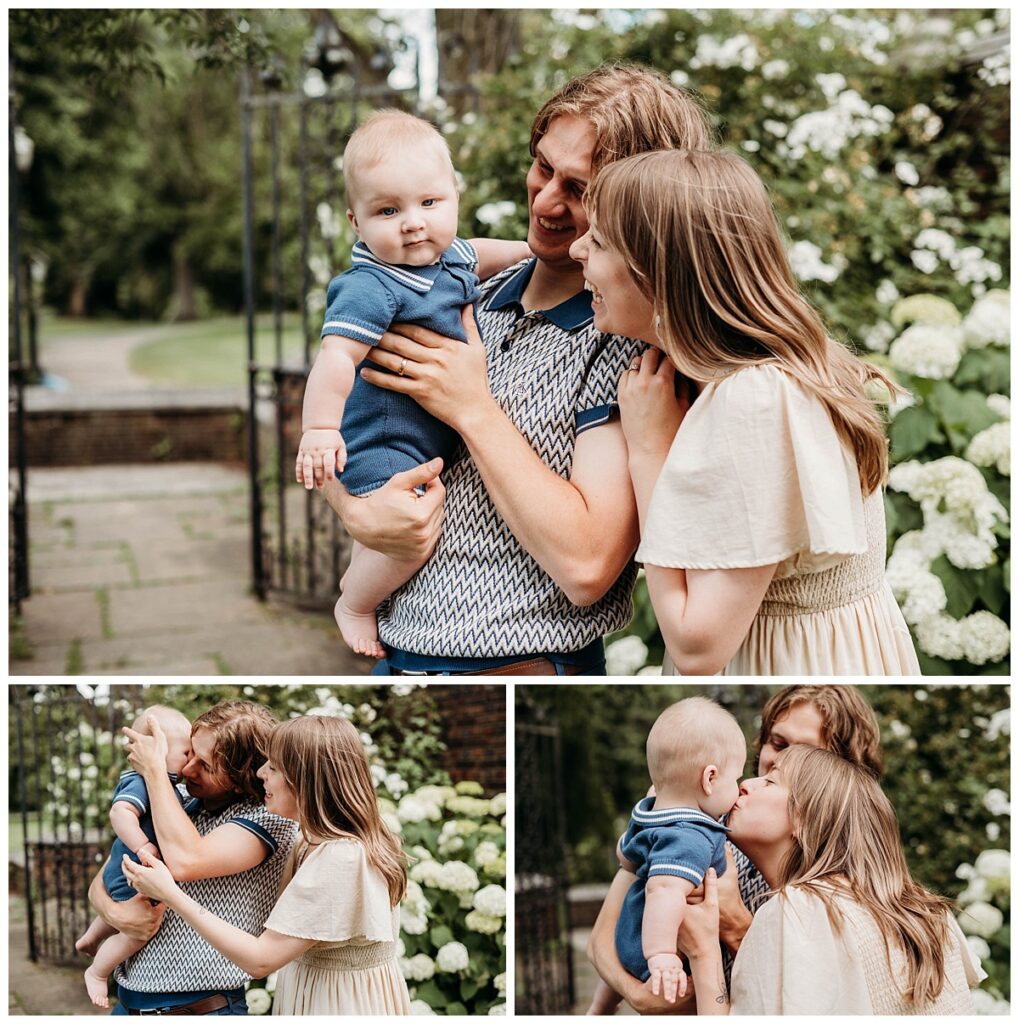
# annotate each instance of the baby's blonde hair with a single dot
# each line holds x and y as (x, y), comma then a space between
(374, 141)
(170, 720)
(689, 735)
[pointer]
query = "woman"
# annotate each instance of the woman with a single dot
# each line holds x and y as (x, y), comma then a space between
(336, 922)
(849, 931)
(760, 506)
(833, 717)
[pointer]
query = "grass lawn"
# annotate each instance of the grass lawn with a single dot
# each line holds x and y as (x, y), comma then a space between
(213, 353)
(15, 837)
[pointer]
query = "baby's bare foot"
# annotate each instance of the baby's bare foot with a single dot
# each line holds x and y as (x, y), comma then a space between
(98, 990)
(360, 630)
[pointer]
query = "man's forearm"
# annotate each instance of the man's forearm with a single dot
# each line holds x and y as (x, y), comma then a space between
(548, 515)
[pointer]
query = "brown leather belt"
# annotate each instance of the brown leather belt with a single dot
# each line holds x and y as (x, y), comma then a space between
(206, 1005)
(530, 667)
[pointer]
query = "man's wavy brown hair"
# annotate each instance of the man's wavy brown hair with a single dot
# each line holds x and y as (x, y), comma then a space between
(242, 730)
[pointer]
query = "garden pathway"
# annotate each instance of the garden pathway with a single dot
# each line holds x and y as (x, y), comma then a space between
(144, 570)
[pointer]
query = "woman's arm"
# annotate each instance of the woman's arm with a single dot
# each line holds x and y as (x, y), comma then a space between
(698, 938)
(601, 951)
(257, 955)
(581, 531)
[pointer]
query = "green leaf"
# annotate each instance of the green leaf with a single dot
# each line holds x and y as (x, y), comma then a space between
(961, 585)
(992, 589)
(440, 935)
(933, 666)
(468, 989)
(456, 1010)
(908, 515)
(432, 995)
(985, 368)
(912, 430)
(962, 413)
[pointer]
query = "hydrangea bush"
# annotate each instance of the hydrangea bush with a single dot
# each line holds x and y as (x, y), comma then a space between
(947, 502)
(984, 915)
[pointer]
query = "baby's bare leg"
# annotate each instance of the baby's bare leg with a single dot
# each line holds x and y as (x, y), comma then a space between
(94, 934)
(371, 578)
(115, 949)
(605, 1001)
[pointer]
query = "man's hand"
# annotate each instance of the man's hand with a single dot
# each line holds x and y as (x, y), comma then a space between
(321, 455)
(137, 917)
(667, 975)
(443, 375)
(395, 519)
(147, 754)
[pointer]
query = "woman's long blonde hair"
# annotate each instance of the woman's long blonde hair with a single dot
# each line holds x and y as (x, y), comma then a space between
(324, 763)
(700, 236)
(847, 840)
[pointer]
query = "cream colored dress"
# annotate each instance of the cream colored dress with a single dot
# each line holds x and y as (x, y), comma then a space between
(757, 475)
(331, 893)
(792, 961)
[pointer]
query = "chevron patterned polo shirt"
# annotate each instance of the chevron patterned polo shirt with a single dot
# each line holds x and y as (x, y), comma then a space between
(177, 958)
(481, 595)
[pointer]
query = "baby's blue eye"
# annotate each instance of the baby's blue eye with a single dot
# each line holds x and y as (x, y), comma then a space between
(387, 211)
(428, 202)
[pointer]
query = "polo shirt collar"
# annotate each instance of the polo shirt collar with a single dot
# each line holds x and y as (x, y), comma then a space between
(570, 315)
(418, 279)
(644, 815)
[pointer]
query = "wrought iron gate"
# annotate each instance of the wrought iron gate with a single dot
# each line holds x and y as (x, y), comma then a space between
(544, 967)
(298, 545)
(66, 763)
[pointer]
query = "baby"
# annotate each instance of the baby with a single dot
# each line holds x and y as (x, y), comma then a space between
(407, 267)
(130, 818)
(695, 754)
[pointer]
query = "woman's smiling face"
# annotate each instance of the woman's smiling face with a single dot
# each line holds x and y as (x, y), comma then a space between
(279, 797)
(619, 306)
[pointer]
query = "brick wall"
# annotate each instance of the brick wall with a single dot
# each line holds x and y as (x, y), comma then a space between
(89, 437)
(474, 730)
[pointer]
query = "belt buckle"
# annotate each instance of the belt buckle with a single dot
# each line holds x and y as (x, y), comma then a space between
(157, 1012)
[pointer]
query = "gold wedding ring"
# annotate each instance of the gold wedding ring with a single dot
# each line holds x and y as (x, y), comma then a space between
(403, 365)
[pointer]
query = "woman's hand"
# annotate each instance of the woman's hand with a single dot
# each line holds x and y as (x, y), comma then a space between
(152, 877)
(698, 934)
(649, 410)
(147, 754)
(444, 376)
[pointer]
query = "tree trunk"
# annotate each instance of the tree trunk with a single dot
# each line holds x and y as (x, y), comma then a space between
(472, 43)
(183, 303)
(79, 293)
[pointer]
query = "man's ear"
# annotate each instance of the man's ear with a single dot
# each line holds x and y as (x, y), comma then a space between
(708, 777)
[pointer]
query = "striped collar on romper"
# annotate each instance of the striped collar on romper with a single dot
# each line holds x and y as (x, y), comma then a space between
(419, 279)
(644, 815)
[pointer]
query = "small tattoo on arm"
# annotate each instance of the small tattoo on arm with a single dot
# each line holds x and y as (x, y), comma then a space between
(723, 996)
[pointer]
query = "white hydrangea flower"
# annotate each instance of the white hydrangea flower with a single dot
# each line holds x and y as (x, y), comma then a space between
(962, 547)
(985, 638)
(777, 128)
(938, 241)
(734, 51)
(926, 350)
(485, 853)
(886, 292)
(650, 670)
(878, 336)
(999, 724)
(419, 1008)
(456, 876)
(940, 637)
(986, 1004)
(774, 69)
(491, 900)
(414, 899)
(452, 957)
(994, 865)
(924, 260)
(411, 923)
(981, 919)
(499, 981)
(497, 1010)
(906, 173)
(806, 263)
(426, 872)
(413, 809)
(395, 784)
(495, 213)
(392, 822)
(623, 657)
(996, 801)
(992, 447)
(497, 805)
(971, 266)
(679, 78)
(419, 967)
(978, 947)
(485, 924)
(259, 1001)
(470, 806)
(1001, 405)
(989, 320)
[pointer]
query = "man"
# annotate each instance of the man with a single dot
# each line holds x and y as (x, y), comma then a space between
(224, 848)
(533, 566)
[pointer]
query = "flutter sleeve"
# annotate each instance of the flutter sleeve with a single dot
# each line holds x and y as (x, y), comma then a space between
(335, 895)
(792, 962)
(757, 475)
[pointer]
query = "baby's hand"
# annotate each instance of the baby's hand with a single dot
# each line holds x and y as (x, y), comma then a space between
(667, 975)
(150, 848)
(322, 454)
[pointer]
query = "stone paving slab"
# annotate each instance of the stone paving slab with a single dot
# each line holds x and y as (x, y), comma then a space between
(144, 570)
